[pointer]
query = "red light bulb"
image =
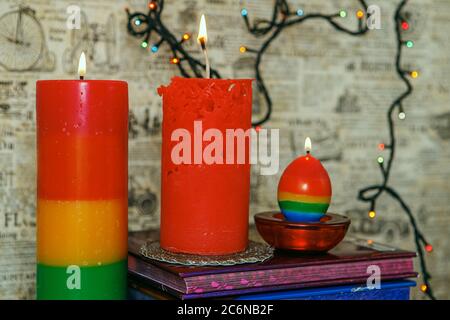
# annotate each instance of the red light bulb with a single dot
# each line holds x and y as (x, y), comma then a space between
(405, 25)
(429, 248)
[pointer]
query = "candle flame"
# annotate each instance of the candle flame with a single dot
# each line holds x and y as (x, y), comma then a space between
(82, 65)
(202, 34)
(308, 144)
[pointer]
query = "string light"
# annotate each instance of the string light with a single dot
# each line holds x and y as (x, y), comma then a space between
(381, 146)
(242, 49)
(380, 160)
(300, 12)
(372, 193)
(244, 12)
(359, 14)
(151, 26)
(283, 17)
(370, 242)
(414, 74)
(372, 214)
(428, 248)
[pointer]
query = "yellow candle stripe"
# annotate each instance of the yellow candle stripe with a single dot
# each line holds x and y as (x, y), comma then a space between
(288, 196)
(84, 233)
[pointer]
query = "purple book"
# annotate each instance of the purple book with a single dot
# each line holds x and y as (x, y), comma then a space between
(347, 263)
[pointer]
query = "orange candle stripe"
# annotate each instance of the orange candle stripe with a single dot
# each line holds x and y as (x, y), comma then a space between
(79, 167)
(84, 233)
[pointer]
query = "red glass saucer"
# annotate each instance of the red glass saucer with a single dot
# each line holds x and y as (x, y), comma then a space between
(302, 236)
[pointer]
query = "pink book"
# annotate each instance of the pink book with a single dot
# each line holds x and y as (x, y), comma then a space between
(347, 263)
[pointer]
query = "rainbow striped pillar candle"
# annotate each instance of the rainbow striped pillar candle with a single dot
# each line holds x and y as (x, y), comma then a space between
(304, 190)
(82, 227)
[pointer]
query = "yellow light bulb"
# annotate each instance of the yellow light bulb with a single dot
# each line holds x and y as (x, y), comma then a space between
(372, 214)
(414, 74)
(186, 36)
(359, 14)
(242, 49)
(423, 288)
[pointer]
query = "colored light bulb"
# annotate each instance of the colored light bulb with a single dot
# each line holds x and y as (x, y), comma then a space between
(424, 288)
(186, 36)
(429, 248)
(372, 214)
(242, 49)
(244, 12)
(405, 25)
(137, 22)
(409, 44)
(300, 12)
(144, 44)
(380, 160)
(154, 49)
(360, 14)
(381, 146)
(414, 74)
(342, 13)
(401, 115)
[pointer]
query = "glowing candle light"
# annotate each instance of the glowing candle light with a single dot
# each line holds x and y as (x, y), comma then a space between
(202, 38)
(82, 66)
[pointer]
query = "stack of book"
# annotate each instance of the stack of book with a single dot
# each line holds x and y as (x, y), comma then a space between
(349, 271)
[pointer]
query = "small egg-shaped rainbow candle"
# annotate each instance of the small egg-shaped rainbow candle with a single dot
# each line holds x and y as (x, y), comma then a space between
(304, 190)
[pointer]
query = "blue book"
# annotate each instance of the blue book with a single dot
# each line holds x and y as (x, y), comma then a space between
(394, 290)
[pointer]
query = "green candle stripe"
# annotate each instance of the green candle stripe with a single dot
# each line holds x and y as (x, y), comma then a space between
(105, 282)
(295, 206)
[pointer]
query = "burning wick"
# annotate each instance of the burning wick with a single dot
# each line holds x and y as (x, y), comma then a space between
(82, 66)
(308, 145)
(202, 38)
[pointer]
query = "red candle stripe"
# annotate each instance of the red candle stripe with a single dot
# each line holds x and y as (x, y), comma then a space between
(81, 141)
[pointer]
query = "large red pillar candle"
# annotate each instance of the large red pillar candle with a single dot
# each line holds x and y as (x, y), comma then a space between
(82, 141)
(204, 205)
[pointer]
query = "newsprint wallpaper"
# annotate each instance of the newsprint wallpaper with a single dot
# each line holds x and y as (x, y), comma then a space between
(330, 86)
